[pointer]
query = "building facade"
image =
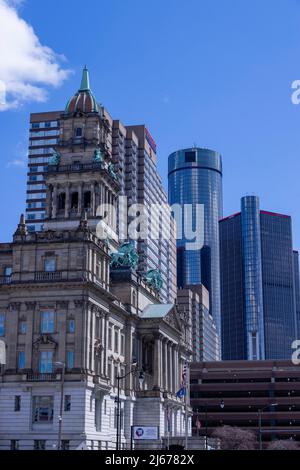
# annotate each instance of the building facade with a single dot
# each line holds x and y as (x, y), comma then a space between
(133, 154)
(232, 393)
(195, 177)
(258, 284)
(194, 302)
(77, 317)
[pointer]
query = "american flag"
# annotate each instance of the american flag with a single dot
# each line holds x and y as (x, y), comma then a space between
(182, 391)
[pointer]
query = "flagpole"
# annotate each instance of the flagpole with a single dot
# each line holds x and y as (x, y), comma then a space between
(186, 405)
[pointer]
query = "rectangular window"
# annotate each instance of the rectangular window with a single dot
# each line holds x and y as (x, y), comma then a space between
(46, 362)
(110, 337)
(47, 322)
(7, 271)
(67, 406)
(14, 445)
(2, 324)
(123, 344)
(39, 445)
(70, 359)
(21, 360)
(116, 341)
(98, 406)
(50, 265)
(23, 327)
(17, 402)
(43, 409)
(71, 326)
(109, 370)
(190, 157)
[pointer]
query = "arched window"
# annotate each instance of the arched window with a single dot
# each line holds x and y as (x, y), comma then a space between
(61, 201)
(87, 199)
(74, 201)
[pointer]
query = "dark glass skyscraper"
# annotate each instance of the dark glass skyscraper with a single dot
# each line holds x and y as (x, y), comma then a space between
(258, 284)
(195, 177)
(297, 290)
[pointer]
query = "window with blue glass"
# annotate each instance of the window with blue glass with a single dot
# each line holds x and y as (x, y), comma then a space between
(47, 322)
(46, 362)
(50, 265)
(23, 327)
(71, 325)
(2, 324)
(21, 360)
(7, 271)
(70, 359)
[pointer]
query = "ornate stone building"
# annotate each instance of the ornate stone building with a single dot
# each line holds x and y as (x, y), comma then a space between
(73, 321)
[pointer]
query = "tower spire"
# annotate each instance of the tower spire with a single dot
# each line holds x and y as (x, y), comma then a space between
(85, 81)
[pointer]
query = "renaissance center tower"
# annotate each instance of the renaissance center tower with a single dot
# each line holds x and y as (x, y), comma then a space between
(195, 177)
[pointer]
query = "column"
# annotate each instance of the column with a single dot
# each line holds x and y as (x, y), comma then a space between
(93, 321)
(88, 336)
(105, 332)
(93, 200)
(128, 355)
(157, 362)
(29, 335)
(80, 190)
(61, 313)
(54, 201)
(49, 202)
(176, 368)
(165, 347)
(171, 368)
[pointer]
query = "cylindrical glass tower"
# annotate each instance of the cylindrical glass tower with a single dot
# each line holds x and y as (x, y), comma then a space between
(195, 177)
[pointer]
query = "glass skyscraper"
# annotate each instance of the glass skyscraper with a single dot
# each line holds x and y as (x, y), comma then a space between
(195, 177)
(259, 284)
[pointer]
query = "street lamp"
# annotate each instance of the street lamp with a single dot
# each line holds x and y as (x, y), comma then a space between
(60, 417)
(118, 401)
(260, 411)
(222, 405)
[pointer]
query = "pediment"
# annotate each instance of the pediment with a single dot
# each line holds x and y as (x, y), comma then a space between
(173, 319)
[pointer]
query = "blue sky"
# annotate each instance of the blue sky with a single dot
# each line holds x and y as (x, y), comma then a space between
(217, 73)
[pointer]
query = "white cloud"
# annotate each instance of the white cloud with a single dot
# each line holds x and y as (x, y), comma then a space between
(17, 162)
(20, 155)
(27, 67)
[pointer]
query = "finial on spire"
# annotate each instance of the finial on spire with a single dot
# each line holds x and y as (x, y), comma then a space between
(85, 81)
(22, 228)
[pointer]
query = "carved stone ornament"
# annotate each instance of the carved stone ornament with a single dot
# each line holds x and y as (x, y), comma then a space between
(44, 339)
(98, 347)
(14, 306)
(30, 305)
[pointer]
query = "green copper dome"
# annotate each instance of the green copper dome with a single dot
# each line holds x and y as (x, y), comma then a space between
(84, 100)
